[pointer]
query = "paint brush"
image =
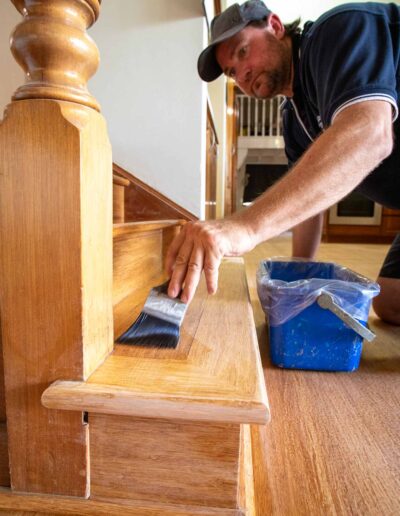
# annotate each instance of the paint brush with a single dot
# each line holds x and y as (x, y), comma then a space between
(159, 322)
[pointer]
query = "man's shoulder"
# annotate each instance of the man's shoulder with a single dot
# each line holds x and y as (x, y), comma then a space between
(352, 11)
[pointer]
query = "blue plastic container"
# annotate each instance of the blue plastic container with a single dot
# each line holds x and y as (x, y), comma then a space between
(302, 334)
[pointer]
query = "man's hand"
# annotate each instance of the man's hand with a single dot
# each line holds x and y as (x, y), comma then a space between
(201, 246)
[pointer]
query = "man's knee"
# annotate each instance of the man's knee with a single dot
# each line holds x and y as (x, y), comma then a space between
(387, 304)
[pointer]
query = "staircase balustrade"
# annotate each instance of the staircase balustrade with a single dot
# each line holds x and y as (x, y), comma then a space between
(259, 117)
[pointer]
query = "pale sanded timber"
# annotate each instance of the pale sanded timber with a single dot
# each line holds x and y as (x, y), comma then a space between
(220, 379)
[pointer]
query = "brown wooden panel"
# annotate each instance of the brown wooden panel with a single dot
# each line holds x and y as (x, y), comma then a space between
(356, 230)
(143, 202)
(211, 168)
(139, 252)
(137, 261)
(391, 224)
(118, 204)
(390, 212)
(231, 150)
(355, 234)
(56, 281)
(2, 391)
(164, 461)
(38, 505)
(4, 462)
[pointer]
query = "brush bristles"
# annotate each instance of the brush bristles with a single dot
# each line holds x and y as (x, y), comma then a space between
(151, 331)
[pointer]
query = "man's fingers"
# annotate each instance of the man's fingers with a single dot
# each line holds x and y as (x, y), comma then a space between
(211, 265)
(195, 248)
(180, 268)
(173, 251)
(194, 268)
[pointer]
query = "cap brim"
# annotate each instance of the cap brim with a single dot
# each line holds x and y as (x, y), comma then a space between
(207, 64)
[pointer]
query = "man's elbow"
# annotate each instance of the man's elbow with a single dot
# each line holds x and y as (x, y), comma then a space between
(386, 145)
(383, 140)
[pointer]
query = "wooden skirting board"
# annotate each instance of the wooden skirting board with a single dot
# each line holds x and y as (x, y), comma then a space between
(38, 505)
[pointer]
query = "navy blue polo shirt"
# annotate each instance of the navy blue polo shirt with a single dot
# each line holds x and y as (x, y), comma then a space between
(350, 54)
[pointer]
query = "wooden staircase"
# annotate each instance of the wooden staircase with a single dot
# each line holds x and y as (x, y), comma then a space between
(135, 201)
(88, 426)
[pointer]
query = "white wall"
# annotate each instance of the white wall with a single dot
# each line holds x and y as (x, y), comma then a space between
(11, 75)
(148, 88)
(150, 93)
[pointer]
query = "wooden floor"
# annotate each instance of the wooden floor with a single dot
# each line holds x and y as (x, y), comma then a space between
(333, 443)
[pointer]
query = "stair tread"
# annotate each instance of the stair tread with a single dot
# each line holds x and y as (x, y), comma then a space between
(143, 226)
(215, 373)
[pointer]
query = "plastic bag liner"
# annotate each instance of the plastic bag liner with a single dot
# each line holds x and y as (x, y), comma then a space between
(287, 286)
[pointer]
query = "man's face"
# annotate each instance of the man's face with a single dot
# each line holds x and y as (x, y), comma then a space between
(258, 59)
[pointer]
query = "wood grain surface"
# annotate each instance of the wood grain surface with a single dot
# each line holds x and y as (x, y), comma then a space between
(56, 281)
(332, 446)
(118, 203)
(52, 47)
(2, 387)
(142, 202)
(165, 461)
(220, 379)
(4, 461)
(246, 483)
(38, 505)
(139, 251)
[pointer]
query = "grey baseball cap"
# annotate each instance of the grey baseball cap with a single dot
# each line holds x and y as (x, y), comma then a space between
(224, 26)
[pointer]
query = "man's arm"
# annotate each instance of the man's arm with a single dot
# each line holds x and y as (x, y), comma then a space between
(358, 140)
(307, 237)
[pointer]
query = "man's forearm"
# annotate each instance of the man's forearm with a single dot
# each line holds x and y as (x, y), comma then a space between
(307, 237)
(332, 167)
(338, 161)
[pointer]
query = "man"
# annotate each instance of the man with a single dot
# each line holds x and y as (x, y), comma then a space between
(341, 77)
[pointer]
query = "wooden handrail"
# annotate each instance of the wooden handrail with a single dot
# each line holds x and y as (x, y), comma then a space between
(141, 202)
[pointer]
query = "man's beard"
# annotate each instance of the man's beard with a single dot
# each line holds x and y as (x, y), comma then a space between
(277, 79)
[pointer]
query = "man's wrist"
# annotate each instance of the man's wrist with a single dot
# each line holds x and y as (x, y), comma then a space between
(249, 224)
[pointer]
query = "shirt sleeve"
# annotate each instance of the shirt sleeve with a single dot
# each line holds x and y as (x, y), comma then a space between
(350, 59)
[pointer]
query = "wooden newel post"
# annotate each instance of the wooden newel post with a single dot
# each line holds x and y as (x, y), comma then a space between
(56, 241)
(54, 50)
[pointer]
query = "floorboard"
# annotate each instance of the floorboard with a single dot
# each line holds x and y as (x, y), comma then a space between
(332, 444)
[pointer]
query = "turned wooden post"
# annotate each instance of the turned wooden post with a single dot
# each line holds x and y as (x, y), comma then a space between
(56, 241)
